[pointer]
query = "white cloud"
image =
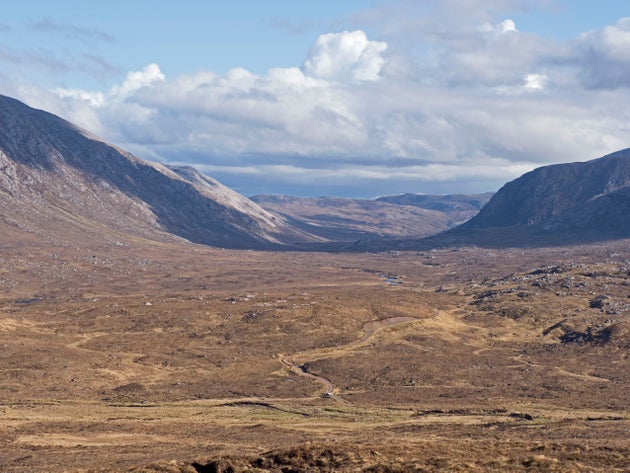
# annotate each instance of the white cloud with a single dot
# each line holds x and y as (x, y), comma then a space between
(466, 103)
(506, 26)
(613, 41)
(79, 107)
(535, 81)
(101, 112)
(137, 79)
(95, 99)
(349, 54)
(603, 57)
(134, 81)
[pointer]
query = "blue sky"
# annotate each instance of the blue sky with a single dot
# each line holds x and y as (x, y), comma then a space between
(348, 98)
(181, 37)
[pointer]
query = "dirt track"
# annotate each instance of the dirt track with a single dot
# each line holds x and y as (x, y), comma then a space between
(369, 329)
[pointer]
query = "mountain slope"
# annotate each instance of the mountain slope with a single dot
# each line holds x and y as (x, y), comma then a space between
(558, 205)
(558, 196)
(55, 176)
(608, 214)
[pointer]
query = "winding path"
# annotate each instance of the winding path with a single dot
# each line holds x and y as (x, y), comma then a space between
(329, 386)
(369, 329)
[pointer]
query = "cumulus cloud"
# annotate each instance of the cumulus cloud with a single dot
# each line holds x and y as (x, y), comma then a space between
(94, 107)
(613, 41)
(477, 101)
(535, 81)
(138, 79)
(95, 99)
(506, 26)
(471, 54)
(603, 57)
(345, 55)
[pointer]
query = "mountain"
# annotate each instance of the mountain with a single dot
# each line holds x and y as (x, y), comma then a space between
(404, 216)
(459, 207)
(557, 205)
(587, 196)
(58, 181)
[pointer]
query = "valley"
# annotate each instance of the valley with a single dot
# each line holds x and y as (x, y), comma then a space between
(153, 320)
(388, 217)
(174, 357)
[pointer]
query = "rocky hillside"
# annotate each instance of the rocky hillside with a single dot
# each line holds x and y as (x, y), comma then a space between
(58, 181)
(590, 195)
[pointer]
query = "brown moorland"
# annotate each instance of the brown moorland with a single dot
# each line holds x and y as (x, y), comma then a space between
(173, 357)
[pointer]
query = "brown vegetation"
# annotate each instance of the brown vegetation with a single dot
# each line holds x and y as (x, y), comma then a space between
(152, 357)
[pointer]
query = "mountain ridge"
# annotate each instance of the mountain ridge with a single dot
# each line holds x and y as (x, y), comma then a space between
(543, 195)
(51, 168)
(388, 217)
(57, 179)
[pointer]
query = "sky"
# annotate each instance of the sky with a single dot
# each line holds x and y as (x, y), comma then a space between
(353, 98)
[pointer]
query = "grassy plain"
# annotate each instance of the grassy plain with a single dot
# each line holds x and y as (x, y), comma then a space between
(150, 357)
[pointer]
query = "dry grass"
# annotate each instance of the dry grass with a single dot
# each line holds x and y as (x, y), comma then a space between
(151, 357)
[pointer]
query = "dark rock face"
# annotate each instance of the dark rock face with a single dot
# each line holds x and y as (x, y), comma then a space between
(50, 167)
(609, 213)
(593, 195)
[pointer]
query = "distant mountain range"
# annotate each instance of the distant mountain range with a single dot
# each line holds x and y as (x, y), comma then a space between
(59, 183)
(460, 207)
(396, 216)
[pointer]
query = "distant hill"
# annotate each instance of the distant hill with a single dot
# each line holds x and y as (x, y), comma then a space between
(401, 216)
(59, 182)
(459, 207)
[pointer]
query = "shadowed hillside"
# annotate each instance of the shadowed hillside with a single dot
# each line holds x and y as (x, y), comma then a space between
(52, 171)
(570, 196)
